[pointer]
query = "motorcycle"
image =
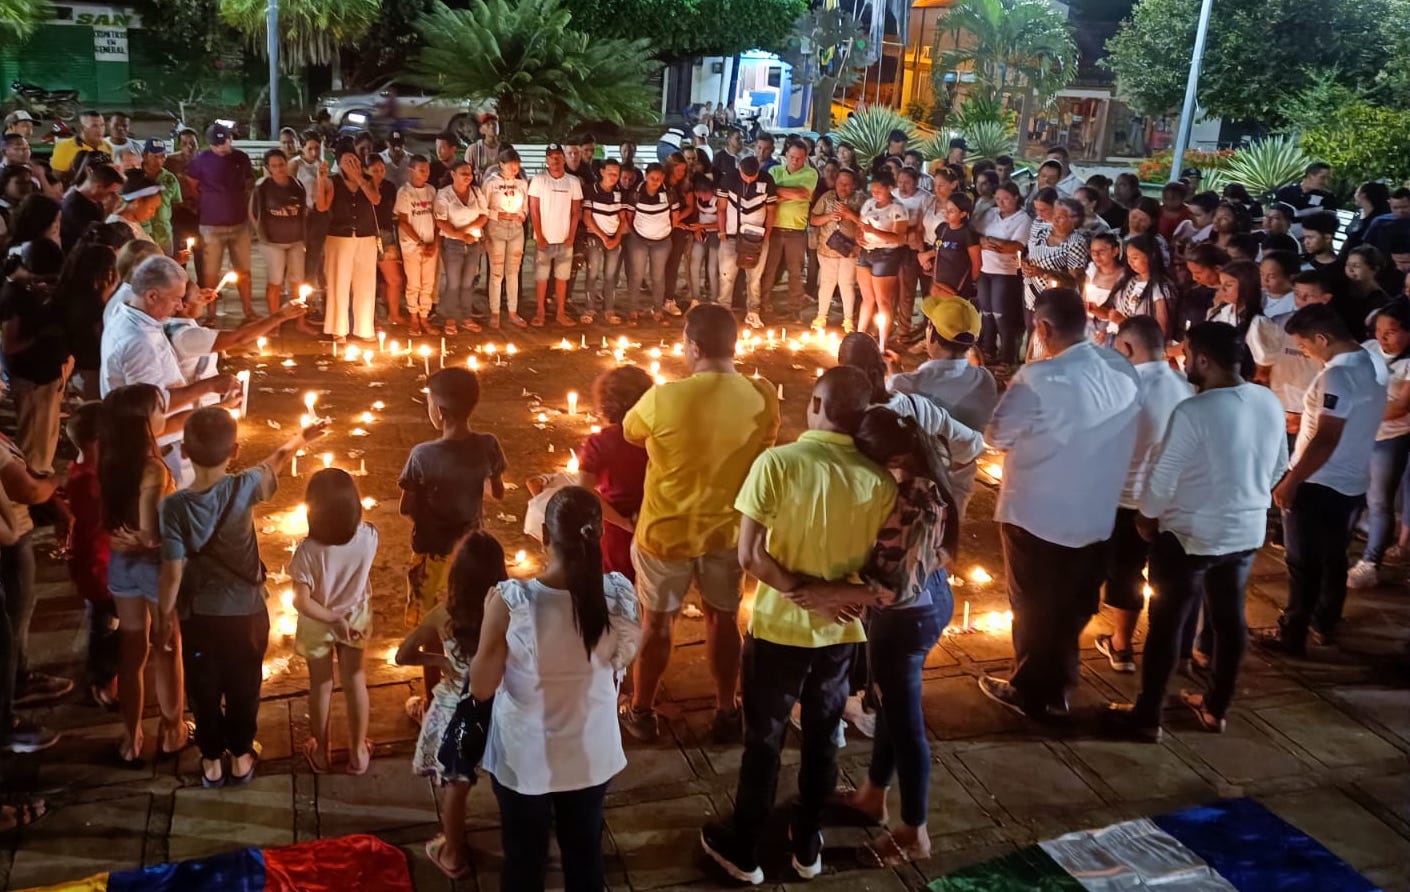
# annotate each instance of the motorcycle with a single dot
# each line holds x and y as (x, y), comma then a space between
(62, 104)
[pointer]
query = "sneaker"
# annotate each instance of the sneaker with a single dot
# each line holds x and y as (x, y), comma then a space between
(1121, 660)
(820, 323)
(856, 715)
(1001, 692)
(641, 724)
(670, 307)
(26, 737)
(725, 849)
(753, 321)
(36, 687)
(1363, 574)
(726, 727)
(807, 856)
(1119, 722)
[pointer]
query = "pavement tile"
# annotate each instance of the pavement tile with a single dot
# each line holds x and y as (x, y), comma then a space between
(386, 797)
(654, 766)
(954, 708)
(1388, 706)
(1140, 771)
(1025, 777)
(79, 840)
(1328, 734)
(1243, 754)
(654, 840)
(1338, 822)
(688, 675)
(205, 822)
(1392, 792)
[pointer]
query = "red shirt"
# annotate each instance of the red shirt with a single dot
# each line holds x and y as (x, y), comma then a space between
(621, 480)
(88, 562)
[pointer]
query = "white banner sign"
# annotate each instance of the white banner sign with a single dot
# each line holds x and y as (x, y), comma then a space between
(110, 44)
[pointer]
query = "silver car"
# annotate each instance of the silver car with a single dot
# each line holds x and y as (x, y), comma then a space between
(402, 107)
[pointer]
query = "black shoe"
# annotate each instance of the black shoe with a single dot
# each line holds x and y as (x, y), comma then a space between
(725, 849)
(34, 688)
(726, 727)
(1276, 641)
(26, 737)
(1122, 660)
(1119, 722)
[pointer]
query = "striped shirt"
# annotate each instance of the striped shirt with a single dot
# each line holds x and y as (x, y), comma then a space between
(747, 203)
(605, 207)
(652, 217)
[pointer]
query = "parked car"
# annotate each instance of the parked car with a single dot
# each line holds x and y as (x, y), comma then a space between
(403, 107)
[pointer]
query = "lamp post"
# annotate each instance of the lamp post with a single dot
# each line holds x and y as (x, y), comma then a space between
(1187, 112)
(272, 36)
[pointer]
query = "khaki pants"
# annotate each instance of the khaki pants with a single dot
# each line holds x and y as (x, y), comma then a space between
(37, 421)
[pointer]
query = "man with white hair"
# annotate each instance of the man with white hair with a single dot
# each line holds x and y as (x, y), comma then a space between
(135, 350)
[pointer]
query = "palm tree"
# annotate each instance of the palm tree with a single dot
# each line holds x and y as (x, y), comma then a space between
(19, 18)
(537, 69)
(311, 31)
(1008, 46)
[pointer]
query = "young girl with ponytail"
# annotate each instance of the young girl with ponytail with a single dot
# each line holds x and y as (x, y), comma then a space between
(554, 648)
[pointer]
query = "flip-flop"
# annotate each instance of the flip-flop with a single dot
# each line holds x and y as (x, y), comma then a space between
(358, 773)
(163, 754)
(433, 851)
(26, 813)
(310, 746)
(1195, 703)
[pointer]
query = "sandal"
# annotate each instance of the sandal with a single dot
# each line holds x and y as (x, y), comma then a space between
(22, 815)
(537, 321)
(471, 326)
(587, 319)
(1207, 720)
(449, 329)
(634, 320)
(614, 319)
(162, 752)
(433, 851)
(565, 320)
(310, 747)
(517, 321)
(135, 762)
(494, 323)
(415, 329)
(358, 772)
(886, 852)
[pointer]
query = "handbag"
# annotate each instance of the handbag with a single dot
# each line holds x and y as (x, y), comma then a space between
(842, 243)
(463, 744)
(748, 249)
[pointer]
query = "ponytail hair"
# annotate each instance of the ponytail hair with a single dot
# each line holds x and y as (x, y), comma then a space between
(573, 524)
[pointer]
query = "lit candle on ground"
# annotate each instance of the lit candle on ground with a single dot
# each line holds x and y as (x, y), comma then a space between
(443, 351)
(572, 402)
(410, 345)
(780, 393)
(473, 362)
(565, 344)
(362, 468)
(334, 347)
(622, 342)
(425, 358)
(244, 378)
(980, 576)
(654, 353)
(368, 503)
(367, 358)
(288, 363)
(572, 462)
(396, 348)
(368, 418)
(655, 368)
(261, 344)
(490, 348)
(510, 349)
(310, 400)
(819, 371)
(619, 354)
(382, 341)
(966, 616)
(353, 353)
(596, 429)
(659, 380)
(327, 459)
(294, 465)
(541, 418)
(881, 323)
(582, 345)
(604, 341)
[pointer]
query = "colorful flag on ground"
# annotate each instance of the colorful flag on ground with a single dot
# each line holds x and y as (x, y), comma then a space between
(1235, 845)
(325, 865)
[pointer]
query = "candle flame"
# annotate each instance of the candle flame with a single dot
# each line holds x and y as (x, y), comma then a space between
(353, 353)
(368, 503)
(510, 349)
(572, 462)
(423, 351)
(520, 557)
(327, 459)
(310, 399)
(654, 353)
(979, 576)
(379, 405)
(304, 292)
(473, 362)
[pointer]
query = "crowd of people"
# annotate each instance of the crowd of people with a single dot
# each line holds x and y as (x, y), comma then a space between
(1210, 374)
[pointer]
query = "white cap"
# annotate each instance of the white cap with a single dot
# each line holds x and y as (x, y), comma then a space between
(21, 115)
(701, 130)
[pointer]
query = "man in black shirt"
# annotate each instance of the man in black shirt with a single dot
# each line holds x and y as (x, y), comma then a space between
(1390, 233)
(448, 149)
(1318, 254)
(1311, 195)
(88, 203)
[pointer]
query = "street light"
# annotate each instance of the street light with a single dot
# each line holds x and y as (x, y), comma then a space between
(1187, 112)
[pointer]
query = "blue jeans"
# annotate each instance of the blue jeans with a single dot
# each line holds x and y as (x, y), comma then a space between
(603, 266)
(1000, 300)
(1316, 532)
(1388, 461)
(703, 271)
(462, 265)
(897, 643)
(640, 252)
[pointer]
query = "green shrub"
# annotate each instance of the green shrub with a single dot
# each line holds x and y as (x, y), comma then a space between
(869, 125)
(1262, 166)
(1362, 142)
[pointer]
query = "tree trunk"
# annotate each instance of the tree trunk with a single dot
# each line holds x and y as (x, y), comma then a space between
(254, 110)
(823, 92)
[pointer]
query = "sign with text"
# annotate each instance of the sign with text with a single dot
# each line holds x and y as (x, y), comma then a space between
(110, 44)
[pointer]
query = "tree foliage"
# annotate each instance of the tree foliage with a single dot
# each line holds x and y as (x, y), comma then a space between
(310, 31)
(389, 46)
(1362, 142)
(1008, 45)
(1259, 52)
(822, 51)
(540, 71)
(19, 18)
(676, 29)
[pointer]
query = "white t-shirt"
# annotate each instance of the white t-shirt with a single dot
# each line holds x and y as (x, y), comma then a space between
(892, 218)
(1351, 386)
(138, 232)
(1162, 389)
(417, 205)
(556, 197)
(1399, 368)
(1212, 478)
(506, 195)
(915, 204)
(337, 575)
(1013, 228)
(195, 352)
(457, 213)
(1292, 373)
(126, 155)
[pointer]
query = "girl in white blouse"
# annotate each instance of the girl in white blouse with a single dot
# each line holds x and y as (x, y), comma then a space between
(552, 653)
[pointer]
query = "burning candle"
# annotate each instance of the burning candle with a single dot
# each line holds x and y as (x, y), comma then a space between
(229, 278)
(409, 350)
(622, 342)
(490, 348)
(425, 353)
(443, 350)
(367, 358)
(382, 341)
(244, 378)
(396, 348)
(521, 557)
(654, 353)
(327, 459)
(353, 353)
(261, 344)
(379, 405)
(541, 418)
(678, 349)
(655, 368)
(818, 371)
(362, 469)
(572, 402)
(881, 324)
(780, 393)
(582, 345)
(572, 462)
(288, 363)
(368, 418)
(368, 503)
(304, 292)
(310, 400)
(190, 243)
(511, 349)
(473, 362)
(565, 344)
(294, 465)
(604, 341)
(980, 576)
(619, 354)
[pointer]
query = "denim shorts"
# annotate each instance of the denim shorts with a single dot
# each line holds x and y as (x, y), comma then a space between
(133, 576)
(881, 261)
(557, 259)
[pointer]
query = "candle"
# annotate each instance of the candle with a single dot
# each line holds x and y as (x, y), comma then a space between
(244, 378)
(288, 363)
(310, 400)
(520, 557)
(819, 371)
(334, 347)
(362, 468)
(473, 362)
(409, 351)
(572, 462)
(443, 350)
(678, 349)
(780, 393)
(367, 358)
(261, 343)
(596, 429)
(572, 402)
(396, 347)
(368, 418)
(655, 368)
(660, 379)
(368, 503)
(229, 278)
(511, 349)
(881, 324)
(966, 615)
(582, 345)
(980, 576)
(190, 243)
(619, 354)
(327, 459)
(622, 342)
(565, 344)
(382, 341)
(353, 353)
(604, 341)
(304, 292)
(654, 353)
(294, 465)
(541, 418)
(490, 348)
(425, 353)
(379, 405)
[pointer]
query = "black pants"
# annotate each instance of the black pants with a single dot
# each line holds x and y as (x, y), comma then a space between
(1053, 590)
(773, 677)
(1125, 559)
(17, 576)
(224, 657)
(1181, 581)
(104, 643)
(680, 250)
(525, 822)
(1001, 307)
(1316, 532)
(788, 249)
(184, 225)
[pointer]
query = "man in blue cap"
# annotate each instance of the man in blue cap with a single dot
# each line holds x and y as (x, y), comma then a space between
(224, 178)
(154, 166)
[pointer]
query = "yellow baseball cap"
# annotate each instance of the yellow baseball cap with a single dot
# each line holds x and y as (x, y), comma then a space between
(955, 319)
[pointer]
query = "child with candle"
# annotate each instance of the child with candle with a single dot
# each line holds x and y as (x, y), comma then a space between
(330, 572)
(446, 640)
(444, 484)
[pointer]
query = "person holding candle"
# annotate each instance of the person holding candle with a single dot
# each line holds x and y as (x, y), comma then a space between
(223, 177)
(555, 208)
(460, 219)
(420, 249)
(350, 250)
(506, 204)
(1145, 288)
(883, 223)
(330, 572)
(279, 212)
(614, 468)
(444, 484)
(1056, 256)
(212, 586)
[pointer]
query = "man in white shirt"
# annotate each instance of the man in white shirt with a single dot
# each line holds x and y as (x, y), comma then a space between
(397, 160)
(135, 350)
(1070, 182)
(556, 206)
(1330, 473)
(1204, 506)
(966, 392)
(1067, 426)
(1140, 340)
(1280, 365)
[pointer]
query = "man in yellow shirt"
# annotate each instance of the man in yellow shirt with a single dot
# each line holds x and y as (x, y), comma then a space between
(701, 435)
(88, 139)
(812, 511)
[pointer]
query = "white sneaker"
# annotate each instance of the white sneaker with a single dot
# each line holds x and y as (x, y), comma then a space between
(1363, 575)
(753, 321)
(670, 308)
(856, 714)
